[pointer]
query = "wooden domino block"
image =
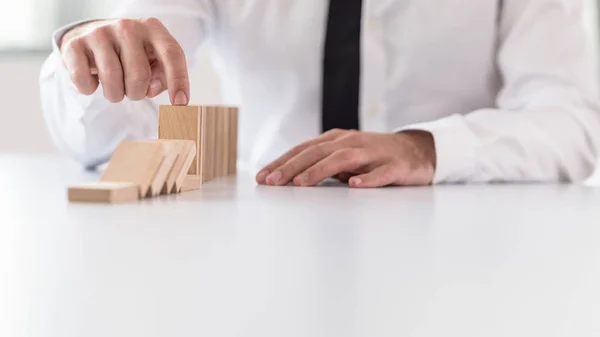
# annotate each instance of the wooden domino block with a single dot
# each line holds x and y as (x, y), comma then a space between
(214, 138)
(233, 140)
(182, 123)
(214, 131)
(191, 183)
(219, 149)
(104, 192)
(225, 132)
(170, 153)
(211, 124)
(204, 146)
(186, 150)
(135, 162)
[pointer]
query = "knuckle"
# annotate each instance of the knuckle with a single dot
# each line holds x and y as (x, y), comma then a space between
(74, 44)
(101, 33)
(126, 25)
(353, 157)
(348, 155)
(354, 137)
(320, 149)
(152, 22)
(335, 132)
(289, 168)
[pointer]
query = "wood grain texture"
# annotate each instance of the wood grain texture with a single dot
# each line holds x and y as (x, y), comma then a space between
(234, 140)
(204, 145)
(226, 131)
(188, 154)
(212, 155)
(135, 162)
(170, 153)
(103, 192)
(219, 145)
(182, 123)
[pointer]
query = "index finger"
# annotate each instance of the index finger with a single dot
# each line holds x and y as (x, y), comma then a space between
(172, 57)
(262, 175)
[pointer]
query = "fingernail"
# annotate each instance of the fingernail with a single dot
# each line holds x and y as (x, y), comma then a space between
(180, 98)
(273, 178)
(155, 86)
(262, 176)
(355, 181)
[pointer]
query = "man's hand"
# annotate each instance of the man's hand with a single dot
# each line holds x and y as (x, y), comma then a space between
(133, 58)
(362, 159)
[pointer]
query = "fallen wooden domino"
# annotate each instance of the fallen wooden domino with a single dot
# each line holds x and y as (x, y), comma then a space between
(191, 182)
(195, 145)
(186, 150)
(103, 192)
(135, 162)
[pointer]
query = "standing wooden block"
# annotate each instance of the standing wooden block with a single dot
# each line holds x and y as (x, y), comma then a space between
(182, 123)
(104, 192)
(212, 155)
(219, 149)
(233, 135)
(135, 162)
(207, 143)
(226, 130)
(170, 155)
(204, 170)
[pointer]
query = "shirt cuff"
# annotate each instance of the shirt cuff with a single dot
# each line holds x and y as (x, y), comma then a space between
(59, 33)
(54, 61)
(455, 148)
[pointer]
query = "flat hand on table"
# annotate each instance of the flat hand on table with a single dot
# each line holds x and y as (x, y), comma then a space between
(362, 159)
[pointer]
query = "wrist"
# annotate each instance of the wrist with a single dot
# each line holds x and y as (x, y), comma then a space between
(423, 145)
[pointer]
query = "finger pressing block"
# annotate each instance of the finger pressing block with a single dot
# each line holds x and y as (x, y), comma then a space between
(103, 192)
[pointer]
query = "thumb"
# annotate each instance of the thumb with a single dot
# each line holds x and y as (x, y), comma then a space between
(380, 176)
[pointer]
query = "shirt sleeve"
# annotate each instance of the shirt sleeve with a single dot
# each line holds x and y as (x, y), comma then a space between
(546, 124)
(89, 128)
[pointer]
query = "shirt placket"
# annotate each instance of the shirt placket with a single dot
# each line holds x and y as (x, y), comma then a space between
(373, 67)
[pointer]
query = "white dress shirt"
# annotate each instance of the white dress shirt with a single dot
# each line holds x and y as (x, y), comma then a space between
(507, 88)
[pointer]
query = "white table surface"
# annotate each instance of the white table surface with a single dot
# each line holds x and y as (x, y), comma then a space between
(236, 259)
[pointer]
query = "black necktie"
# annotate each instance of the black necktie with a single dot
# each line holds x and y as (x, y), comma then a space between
(341, 66)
